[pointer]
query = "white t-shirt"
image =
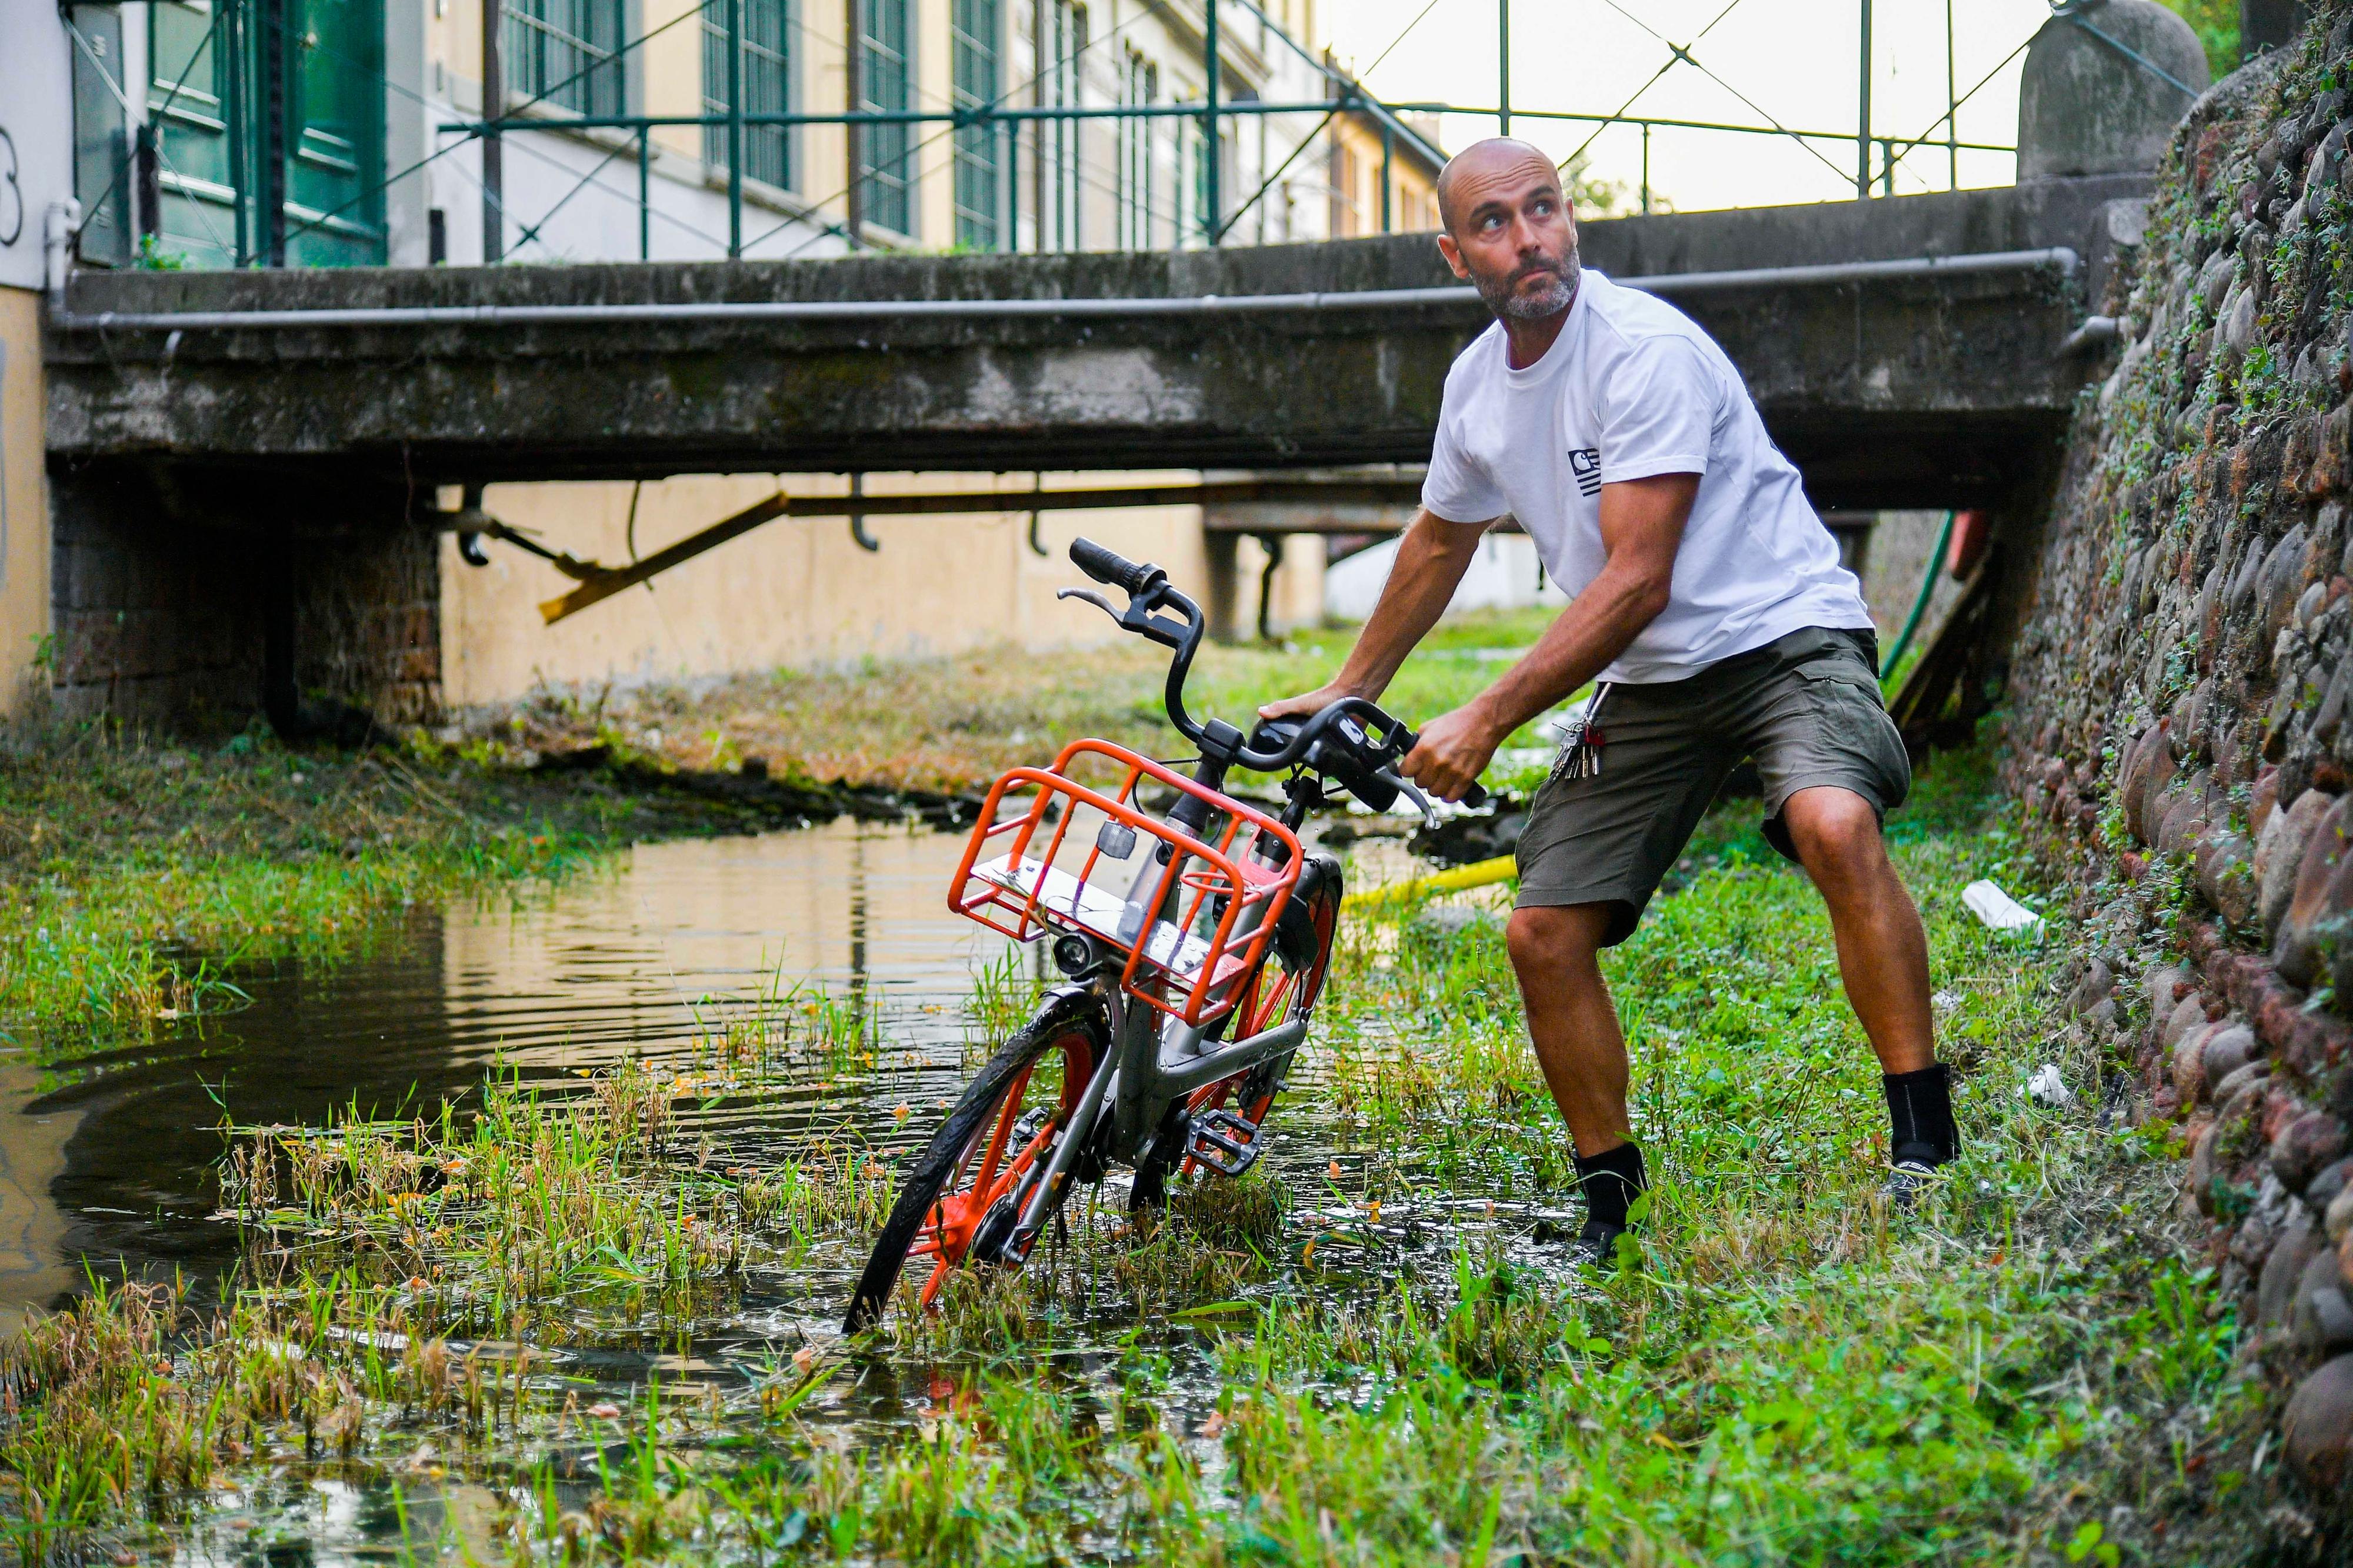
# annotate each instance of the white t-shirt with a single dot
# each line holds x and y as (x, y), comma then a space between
(1631, 388)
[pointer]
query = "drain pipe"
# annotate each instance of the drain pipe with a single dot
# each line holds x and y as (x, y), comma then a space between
(60, 225)
(2059, 258)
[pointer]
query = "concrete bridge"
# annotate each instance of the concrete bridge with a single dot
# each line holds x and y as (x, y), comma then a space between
(1904, 351)
(245, 464)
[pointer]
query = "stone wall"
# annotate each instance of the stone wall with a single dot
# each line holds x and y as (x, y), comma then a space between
(192, 603)
(2179, 704)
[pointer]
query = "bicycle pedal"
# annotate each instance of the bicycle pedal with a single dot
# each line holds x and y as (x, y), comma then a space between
(1224, 1140)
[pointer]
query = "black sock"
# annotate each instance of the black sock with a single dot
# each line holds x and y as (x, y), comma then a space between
(1920, 1114)
(1611, 1181)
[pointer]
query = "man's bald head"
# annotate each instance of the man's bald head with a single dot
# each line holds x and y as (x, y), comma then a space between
(1480, 165)
(1508, 228)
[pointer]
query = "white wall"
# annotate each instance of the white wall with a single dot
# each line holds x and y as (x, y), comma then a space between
(1502, 577)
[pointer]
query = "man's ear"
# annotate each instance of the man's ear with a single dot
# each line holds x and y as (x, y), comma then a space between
(1453, 253)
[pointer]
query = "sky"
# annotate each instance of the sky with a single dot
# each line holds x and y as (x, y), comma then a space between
(1795, 61)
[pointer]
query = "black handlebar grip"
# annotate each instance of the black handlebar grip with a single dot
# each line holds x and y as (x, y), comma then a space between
(1108, 566)
(1476, 796)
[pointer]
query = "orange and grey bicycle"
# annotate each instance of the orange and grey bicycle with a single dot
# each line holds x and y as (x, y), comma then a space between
(1193, 936)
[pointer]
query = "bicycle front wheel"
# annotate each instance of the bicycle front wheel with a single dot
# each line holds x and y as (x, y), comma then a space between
(969, 1182)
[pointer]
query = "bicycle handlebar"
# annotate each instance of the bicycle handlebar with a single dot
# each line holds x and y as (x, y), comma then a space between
(1378, 743)
(1107, 566)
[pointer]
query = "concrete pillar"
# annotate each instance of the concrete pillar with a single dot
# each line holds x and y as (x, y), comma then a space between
(2085, 106)
(2269, 25)
(1223, 552)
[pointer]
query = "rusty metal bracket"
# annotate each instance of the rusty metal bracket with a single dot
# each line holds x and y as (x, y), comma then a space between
(601, 582)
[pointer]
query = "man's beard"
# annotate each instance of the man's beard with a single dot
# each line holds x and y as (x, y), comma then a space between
(1504, 298)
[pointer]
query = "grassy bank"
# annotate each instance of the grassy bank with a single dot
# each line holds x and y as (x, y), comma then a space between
(136, 874)
(954, 723)
(1380, 1360)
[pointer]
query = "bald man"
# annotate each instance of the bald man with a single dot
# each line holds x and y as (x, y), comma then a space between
(1709, 610)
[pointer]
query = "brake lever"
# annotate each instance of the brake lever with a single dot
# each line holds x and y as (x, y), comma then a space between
(1413, 792)
(1091, 598)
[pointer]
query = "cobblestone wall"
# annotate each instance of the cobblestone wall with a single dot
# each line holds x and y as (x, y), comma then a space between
(2179, 696)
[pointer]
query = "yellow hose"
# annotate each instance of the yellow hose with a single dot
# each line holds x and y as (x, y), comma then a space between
(1479, 874)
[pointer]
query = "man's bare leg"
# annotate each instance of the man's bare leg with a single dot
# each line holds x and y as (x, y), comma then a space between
(1883, 951)
(1572, 1019)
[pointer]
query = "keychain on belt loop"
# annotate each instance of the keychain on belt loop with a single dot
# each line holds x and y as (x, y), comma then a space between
(1582, 740)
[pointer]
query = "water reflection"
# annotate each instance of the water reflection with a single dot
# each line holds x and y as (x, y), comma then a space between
(110, 1155)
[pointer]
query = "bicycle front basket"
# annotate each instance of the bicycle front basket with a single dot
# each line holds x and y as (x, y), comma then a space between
(1050, 854)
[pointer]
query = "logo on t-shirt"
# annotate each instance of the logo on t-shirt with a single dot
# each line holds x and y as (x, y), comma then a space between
(1585, 463)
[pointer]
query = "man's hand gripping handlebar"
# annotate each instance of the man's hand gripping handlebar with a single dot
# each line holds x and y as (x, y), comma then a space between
(1350, 741)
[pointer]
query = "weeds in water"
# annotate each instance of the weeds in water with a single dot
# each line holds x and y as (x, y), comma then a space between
(1269, 1374)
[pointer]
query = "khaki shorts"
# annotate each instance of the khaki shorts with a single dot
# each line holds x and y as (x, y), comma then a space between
(1806, 706)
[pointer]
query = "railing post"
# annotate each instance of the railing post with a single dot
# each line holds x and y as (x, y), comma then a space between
(1646, 167)
(1214, 202)
(1952, 106)
(1040, 64)
(1009, 206)
(494, 103)
(232, 38)
(645, 193)
(735, 130)
(854, 192)
(1862, 113)
(1503, 68)
(1388, 162)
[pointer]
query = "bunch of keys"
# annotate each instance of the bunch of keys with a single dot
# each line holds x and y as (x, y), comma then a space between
(1581, 740)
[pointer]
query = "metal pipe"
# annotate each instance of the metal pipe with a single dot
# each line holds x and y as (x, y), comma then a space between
(2059, 257)
(494, 109)
(1213, 180)
(1503, 68)
(1862, 113)
(853, 195)
(1389, 178)
(735, 129)
(1038, 66)
(1952, 106)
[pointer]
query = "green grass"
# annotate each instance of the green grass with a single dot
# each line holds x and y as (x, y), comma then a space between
(137, 874)
(2032, 1364)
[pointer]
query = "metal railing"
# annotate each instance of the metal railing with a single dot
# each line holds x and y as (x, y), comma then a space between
(998, 123)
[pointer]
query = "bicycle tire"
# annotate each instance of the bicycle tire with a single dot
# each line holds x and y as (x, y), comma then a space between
(1071, 1021)
(1319, 900)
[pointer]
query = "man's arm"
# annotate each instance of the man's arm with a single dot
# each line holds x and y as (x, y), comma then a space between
(1430, 560)
(1641, 528)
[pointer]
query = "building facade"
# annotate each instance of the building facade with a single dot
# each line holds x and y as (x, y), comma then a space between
(353, 132)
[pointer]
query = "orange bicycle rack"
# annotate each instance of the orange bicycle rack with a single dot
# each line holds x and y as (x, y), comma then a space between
(1048, 879)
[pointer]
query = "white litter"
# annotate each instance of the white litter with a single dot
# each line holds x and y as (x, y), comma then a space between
(2049, 1088)
(1997, 910)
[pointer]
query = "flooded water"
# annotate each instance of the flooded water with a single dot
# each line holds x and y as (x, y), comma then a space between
(110, 1157)
(107, 1161)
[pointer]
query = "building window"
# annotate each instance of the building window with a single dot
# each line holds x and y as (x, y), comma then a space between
(768, 77)
(1138, 149)
(564, 53)
(1345, 215)
(1059, 146)
(886, 52)
(976, 27)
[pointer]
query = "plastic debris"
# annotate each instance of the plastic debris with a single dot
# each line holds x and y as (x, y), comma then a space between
(1996, 910)
(2049, 1088)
